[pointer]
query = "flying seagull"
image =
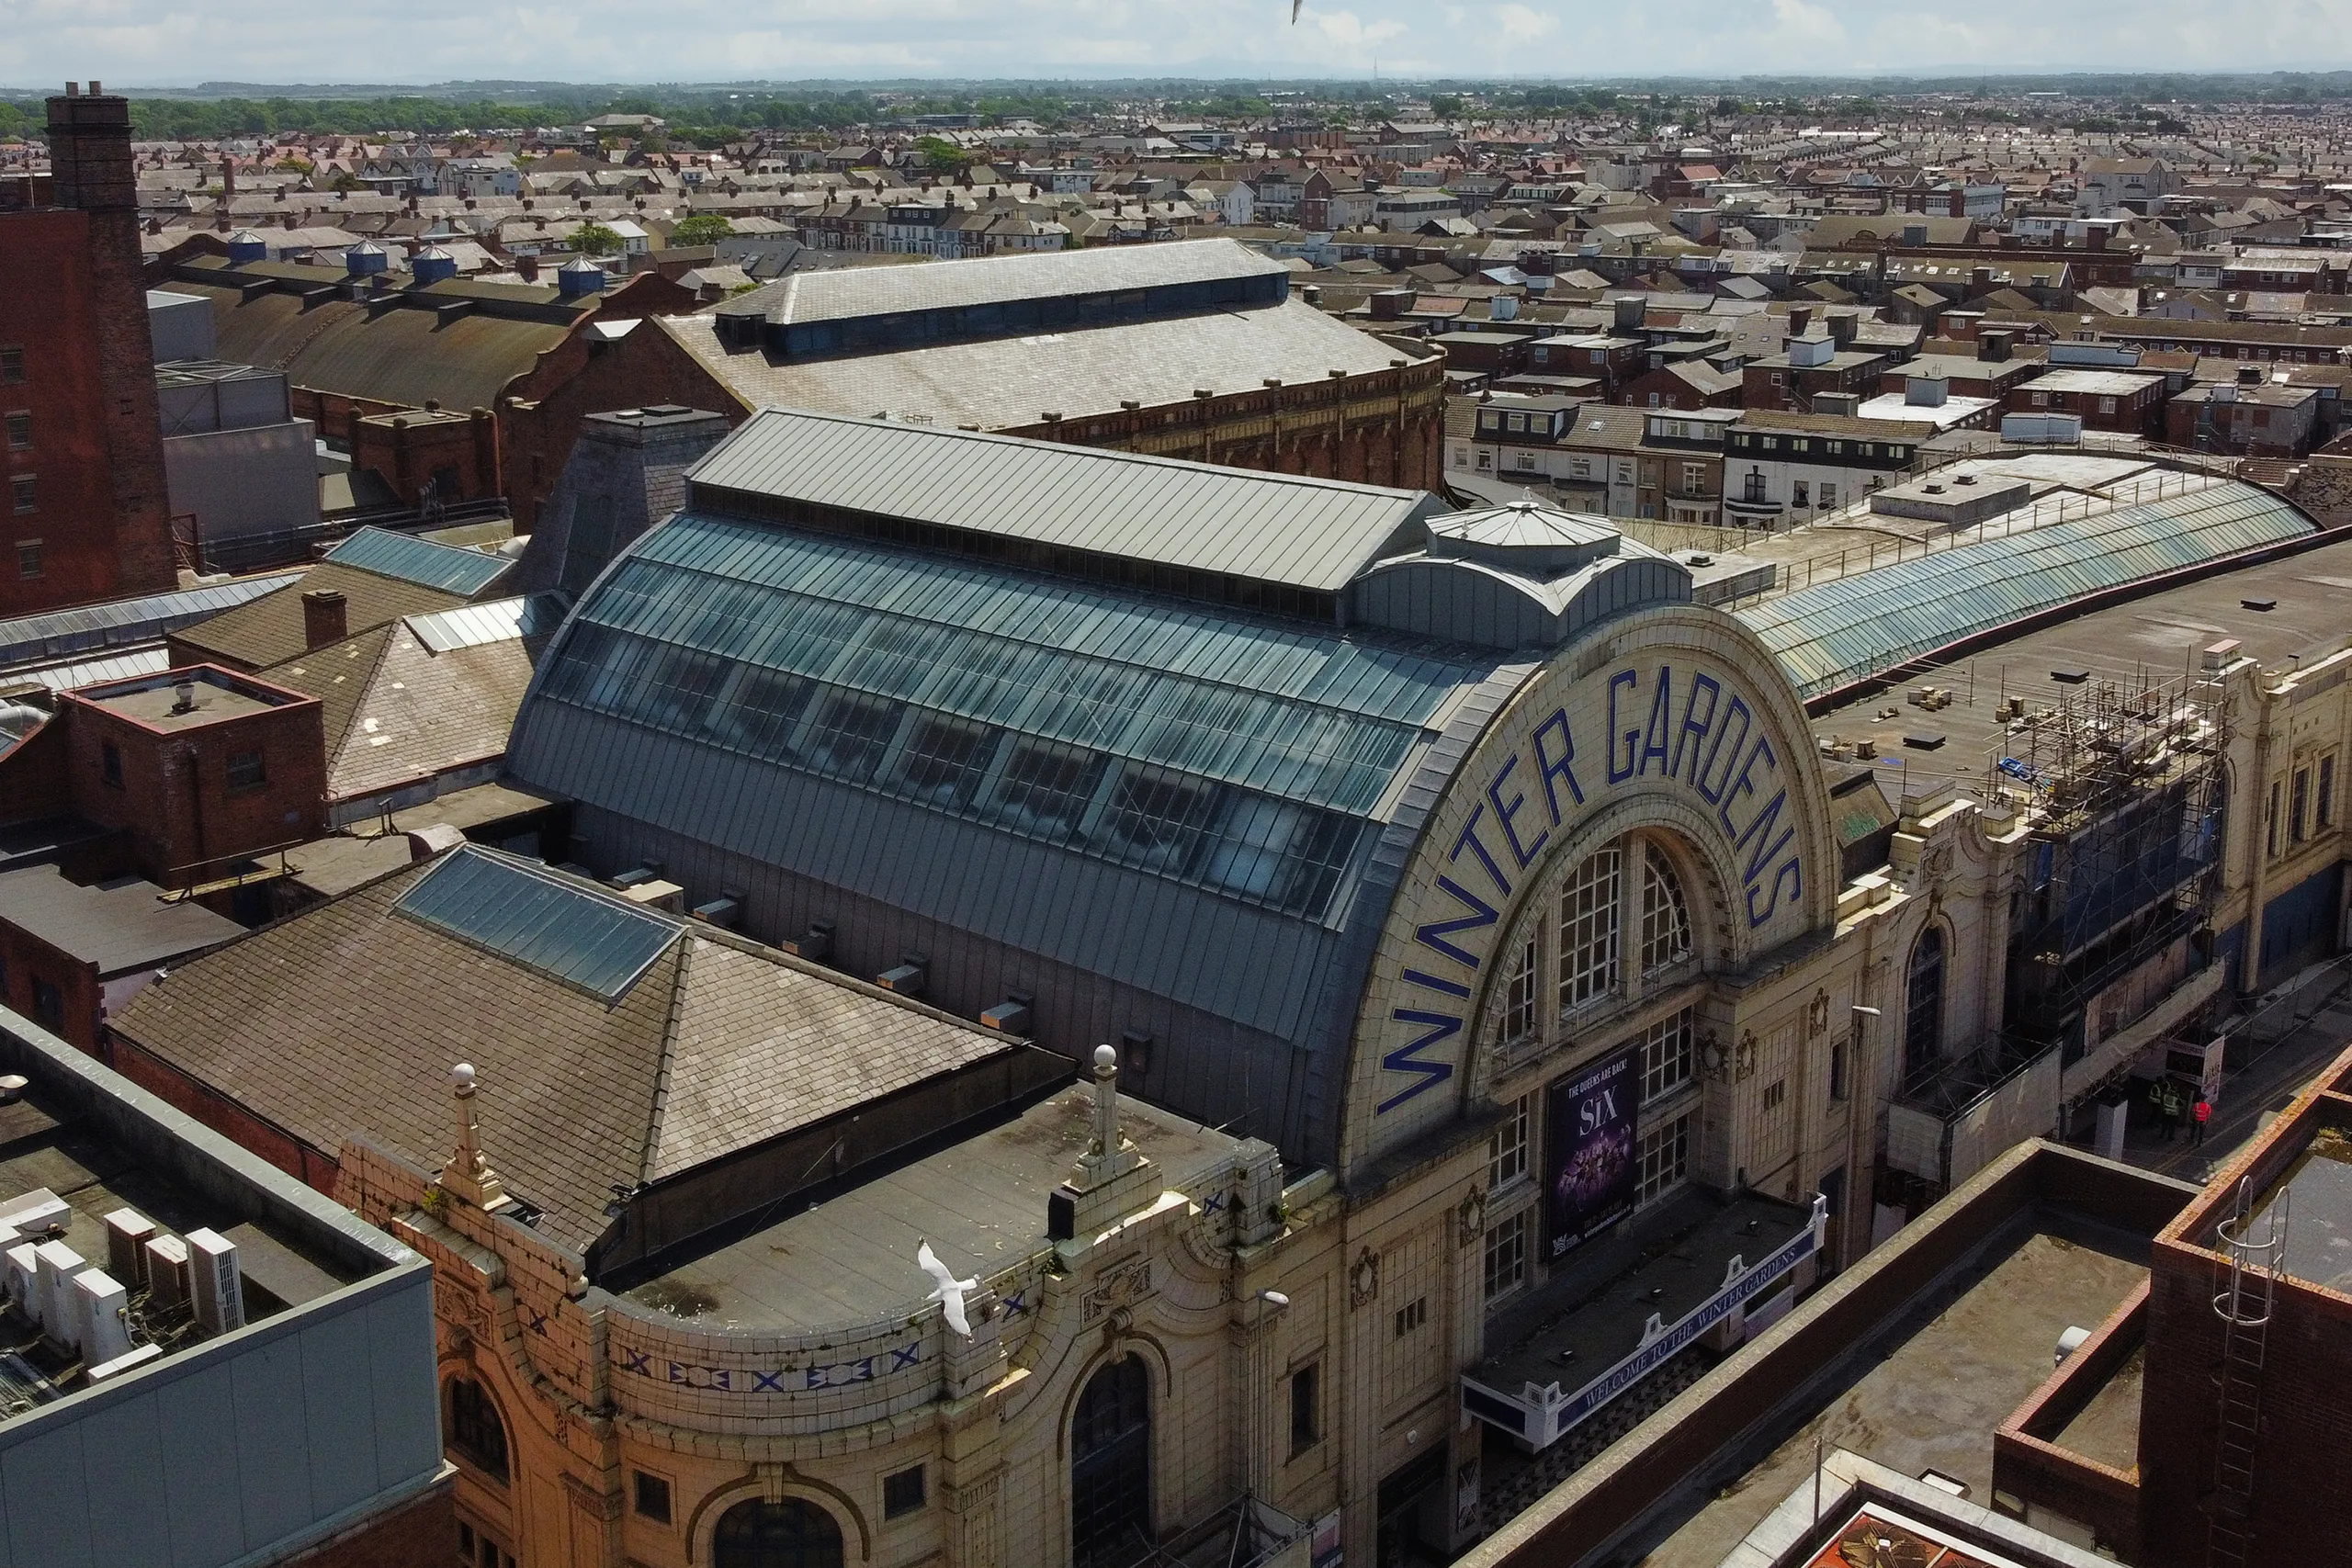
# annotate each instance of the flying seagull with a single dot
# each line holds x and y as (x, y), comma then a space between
(945, 1289)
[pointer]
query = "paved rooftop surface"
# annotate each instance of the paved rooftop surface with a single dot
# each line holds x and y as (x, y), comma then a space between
(156, 705)
(120, 926)
(1945, 1375)
(980, 1203)
(40, 1148)
(2158, 637)
(2108, 1428)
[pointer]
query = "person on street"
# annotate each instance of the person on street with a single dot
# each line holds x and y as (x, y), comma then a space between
(2196, 1127)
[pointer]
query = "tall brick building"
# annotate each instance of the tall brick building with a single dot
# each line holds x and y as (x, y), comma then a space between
(87, 505)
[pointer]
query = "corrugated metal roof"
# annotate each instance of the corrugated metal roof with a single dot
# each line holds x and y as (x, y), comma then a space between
(412, 559)
(1279, 528)
(1012, 382)
(1834, 633)
(117, 622)
(404, 355)
(554, 926)
(1238, 755)
(89, 671)
(526, 616)
(846, 293)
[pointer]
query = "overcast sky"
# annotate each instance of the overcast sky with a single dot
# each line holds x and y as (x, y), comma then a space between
(159, 43)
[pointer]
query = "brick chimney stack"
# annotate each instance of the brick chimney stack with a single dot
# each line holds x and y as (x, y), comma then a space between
(93, 172)
(325, 617)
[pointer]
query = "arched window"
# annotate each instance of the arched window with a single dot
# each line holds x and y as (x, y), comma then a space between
(471, 1427)
(790, 1534)
(1588, 930)
(1109, 1465)
(1665, 918)
(1923, 1006)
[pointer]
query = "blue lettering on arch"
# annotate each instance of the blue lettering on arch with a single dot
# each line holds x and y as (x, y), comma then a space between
(1693, 733)
(1629, 738)
(1560, 767)
(1437, 1027)
(1478, 846)
(1503, 814)
(1726, 747)
(1481, 914)
(1654, 736)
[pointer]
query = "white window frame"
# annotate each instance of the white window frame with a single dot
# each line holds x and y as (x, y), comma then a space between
(1592, 930)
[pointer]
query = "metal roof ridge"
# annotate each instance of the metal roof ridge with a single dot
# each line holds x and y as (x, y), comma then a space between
(1103, 454)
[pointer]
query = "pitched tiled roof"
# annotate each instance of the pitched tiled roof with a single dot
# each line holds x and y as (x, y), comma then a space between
(269, 629)
(346, 1018)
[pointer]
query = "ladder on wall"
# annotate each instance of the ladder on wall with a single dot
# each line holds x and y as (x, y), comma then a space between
(2248, 1287)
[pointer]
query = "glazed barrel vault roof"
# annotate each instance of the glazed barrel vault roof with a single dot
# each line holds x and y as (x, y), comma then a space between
(1207, 806)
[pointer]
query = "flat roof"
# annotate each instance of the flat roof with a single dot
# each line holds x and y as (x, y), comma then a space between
(122, 925)
(2101, 383)
(2157, 636)
(980, 1202)
(215, 695)
(1605, 1326)
(47, 1151)
(1954, 1368)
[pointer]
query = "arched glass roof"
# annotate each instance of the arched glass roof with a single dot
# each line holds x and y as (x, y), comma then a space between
(1834, 633)
(1238, 755)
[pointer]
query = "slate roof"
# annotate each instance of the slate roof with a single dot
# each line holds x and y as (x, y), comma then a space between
(761, 1044)
(397, 709)
(269, 630)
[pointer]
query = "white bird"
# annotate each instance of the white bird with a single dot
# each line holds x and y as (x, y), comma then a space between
(945, 1289)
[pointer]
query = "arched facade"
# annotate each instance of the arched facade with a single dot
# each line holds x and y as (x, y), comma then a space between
(1110, 1463)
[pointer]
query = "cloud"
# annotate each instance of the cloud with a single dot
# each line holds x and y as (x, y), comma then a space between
(186, 42)
(1523, 24)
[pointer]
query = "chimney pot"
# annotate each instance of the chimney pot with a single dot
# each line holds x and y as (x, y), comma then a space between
(325, 617)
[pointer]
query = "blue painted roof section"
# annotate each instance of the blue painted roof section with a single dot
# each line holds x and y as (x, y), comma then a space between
(412, 559)
(1235, 755)
(1834, 633)
(558, 927)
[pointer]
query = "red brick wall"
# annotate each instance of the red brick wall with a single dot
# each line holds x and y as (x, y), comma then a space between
(422, 1535)
(219, 1112)
(175, 801)
(539, 417)
(407, 451)
(90, 152)
(47, 308)
(2302, 1469)
(33, 782)
(25, 958)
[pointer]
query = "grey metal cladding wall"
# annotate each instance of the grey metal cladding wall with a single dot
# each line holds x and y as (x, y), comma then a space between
(1203, 1066)
(238, 1450)
(1225, 958)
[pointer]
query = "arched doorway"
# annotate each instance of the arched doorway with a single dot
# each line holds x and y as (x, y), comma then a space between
(471, 1427)
(1109, 1465)
(790, 1534)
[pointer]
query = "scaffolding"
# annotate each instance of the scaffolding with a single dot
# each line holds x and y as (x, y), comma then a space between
(2121, 787)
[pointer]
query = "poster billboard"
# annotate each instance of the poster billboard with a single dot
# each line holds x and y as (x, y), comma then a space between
(1588, 1149)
